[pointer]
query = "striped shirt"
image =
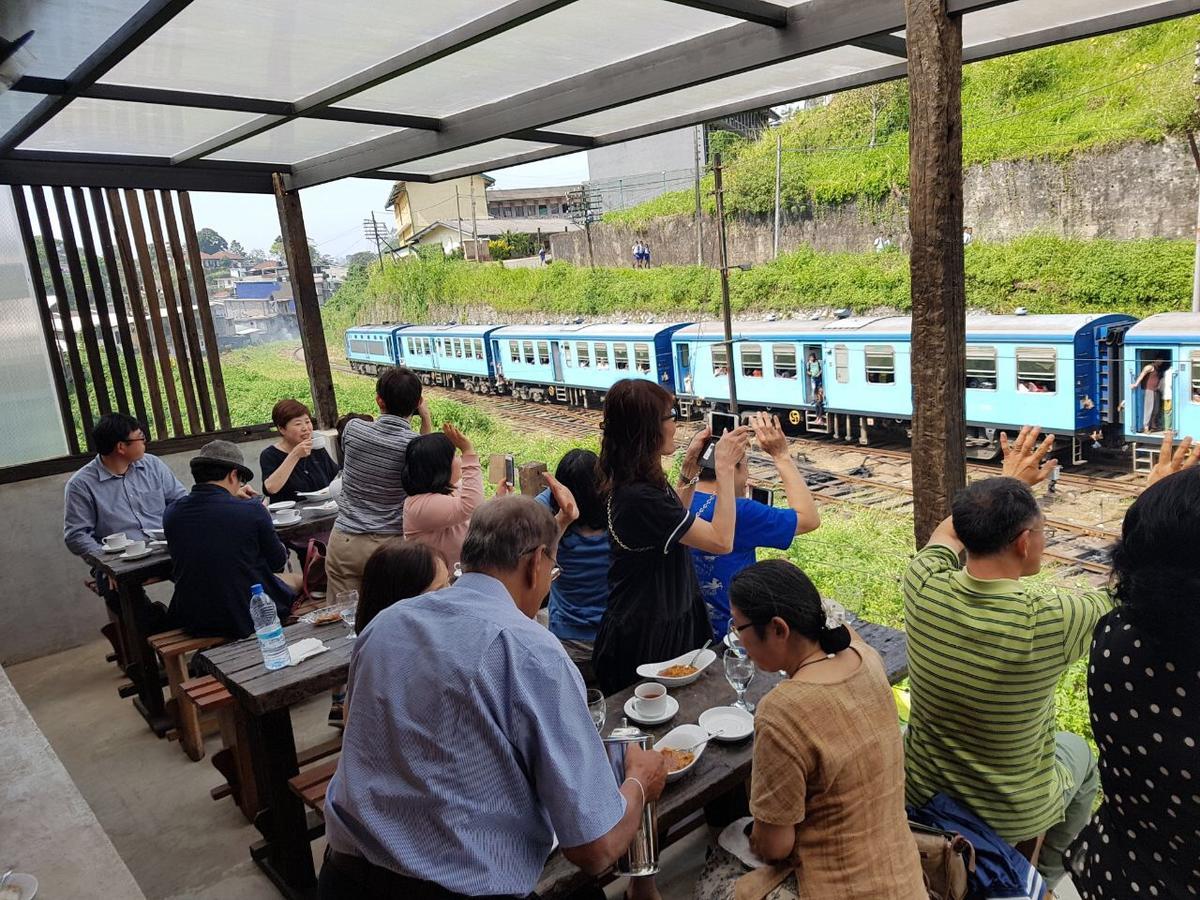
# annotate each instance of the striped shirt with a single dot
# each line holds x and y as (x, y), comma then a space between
(372, 498)
(984, 659)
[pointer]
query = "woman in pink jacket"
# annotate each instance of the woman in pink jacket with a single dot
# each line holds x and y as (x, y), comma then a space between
(443, 490)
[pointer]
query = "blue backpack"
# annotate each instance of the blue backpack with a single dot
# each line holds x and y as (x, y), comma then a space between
(1001, 873)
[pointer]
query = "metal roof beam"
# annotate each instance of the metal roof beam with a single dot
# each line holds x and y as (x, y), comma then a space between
(884, 43)
(761, 12)
(816, 25)
(496, 22)
(574, 141)
(150, 173)
(136, 30)
(514, 160)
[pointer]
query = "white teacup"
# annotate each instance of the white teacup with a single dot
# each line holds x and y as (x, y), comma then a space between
(287, 517)
(133, 548)
(113, 541)
(318, 440)
(651, 699)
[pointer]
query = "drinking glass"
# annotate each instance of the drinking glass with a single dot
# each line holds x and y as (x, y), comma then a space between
(739, 671)
(348, 600)
(596, 706)
(733, 640)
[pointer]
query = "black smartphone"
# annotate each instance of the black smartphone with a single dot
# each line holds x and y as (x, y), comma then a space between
(762, 495)
(510, 470)
(722, 422)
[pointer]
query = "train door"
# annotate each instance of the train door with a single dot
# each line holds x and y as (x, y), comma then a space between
(814, 372)
(683, 366)
(1155, 385)
(556, 362)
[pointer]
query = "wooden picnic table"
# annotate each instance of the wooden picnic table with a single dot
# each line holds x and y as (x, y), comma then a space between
(131, 575)
(264, 699)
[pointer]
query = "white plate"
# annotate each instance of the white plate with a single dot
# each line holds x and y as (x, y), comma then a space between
(322, 494)
(733, 723)
(681, 738)
(632, 713)
(283, 523)
(282, 504)
(156, 534)
(117, 549)
(145, 552)
(704, 658)
(27, 883)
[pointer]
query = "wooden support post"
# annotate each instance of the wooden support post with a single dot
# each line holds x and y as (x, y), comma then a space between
(216, 377)
(308, 309)
(938, 281)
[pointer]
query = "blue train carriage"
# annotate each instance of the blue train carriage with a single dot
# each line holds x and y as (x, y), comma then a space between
(372, 348)
(577, 364)
(451, 356)
(1171, 343)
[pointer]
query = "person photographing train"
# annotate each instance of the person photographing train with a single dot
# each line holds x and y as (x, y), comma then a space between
(756, 524)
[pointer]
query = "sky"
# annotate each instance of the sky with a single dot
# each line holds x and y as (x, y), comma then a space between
(334, 213)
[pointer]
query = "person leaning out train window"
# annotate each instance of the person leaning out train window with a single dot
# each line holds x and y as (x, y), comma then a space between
(442, 490)
(298, 460)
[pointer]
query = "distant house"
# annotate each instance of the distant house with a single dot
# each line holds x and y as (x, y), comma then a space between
(222, 259)
(530, 203)
(416, 205)
(447, 234)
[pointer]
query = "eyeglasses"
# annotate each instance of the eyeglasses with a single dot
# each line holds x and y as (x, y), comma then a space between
(134, 440)
(737, 629)
(555, 568)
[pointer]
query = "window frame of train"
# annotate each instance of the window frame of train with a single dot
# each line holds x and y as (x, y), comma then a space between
(458, 348)
(601, 354)
(621, 356)
(720, 360)
(527, 353)
(364, 347)
(1035, 355)
(750, 352)
(479, 348)
(514, 351)
(1194, 377)
(566, 354)
(877, 373)
(641, 358)
(977, 353)
(543, 353)
(583, 354)
(841, 363)
(468, 349)
(783, 349)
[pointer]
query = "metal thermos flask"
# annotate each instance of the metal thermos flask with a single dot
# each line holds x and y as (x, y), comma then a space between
(642, 856)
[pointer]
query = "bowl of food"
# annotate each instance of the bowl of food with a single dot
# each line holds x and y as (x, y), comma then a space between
(326, 615)
(682, 747)
(681, 670)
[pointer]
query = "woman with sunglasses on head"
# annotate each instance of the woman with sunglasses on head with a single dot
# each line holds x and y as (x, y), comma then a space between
(827, 793)
(655, 611)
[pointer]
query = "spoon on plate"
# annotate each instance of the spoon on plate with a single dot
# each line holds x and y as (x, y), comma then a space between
(698, 743)
(692, 661)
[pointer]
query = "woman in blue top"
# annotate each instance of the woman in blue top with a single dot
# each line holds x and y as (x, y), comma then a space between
(579, 595)
(757, 525)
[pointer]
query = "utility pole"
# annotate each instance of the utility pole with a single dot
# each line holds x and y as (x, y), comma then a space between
(474, 224)
(375, 235)
(778, 182)
(699, 208)
(458, 212)
(720, 194)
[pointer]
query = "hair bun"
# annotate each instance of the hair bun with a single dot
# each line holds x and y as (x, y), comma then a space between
(834, 640)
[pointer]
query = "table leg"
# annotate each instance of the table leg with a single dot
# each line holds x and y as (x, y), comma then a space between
(143, 666)
(283, 820)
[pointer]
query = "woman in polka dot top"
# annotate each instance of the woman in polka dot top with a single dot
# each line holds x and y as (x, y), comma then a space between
(1144, 694)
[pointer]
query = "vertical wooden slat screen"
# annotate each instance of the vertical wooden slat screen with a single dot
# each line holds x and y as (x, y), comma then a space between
(83, 306)
(99, 302)
(64, 312)
(118, 304)
(43, 307)
(185, 311)
(215, 375)
(169, 299)
(152, 308)
(133, 285)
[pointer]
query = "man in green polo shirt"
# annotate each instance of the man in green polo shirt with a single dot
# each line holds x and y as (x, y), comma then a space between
(985, 653)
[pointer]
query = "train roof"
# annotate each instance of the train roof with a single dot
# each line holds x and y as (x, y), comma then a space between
(1035, 327)
(1173, 325)
(449, 330)
(589, 332)
(374, 329)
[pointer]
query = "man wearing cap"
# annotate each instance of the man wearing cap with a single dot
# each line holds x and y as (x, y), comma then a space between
(222, 542)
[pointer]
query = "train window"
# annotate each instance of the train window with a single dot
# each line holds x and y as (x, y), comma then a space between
(1037, 370)
(469, 348)
(543, 353)
(641, 358)
(601, 356)
(720, 359)
(479, 348)
(458, 348)
(880, 363)
(621, 356)
(565, 349)
(752, 360)
(1196, 376)
(783, 358)
(582, 354)
(527, 347)
(981, 368)
(426, 348)
(514, 352)
(360, 346)
(841, 364)
(685, 356)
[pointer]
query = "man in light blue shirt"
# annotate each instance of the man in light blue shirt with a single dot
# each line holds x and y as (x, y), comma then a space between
(468, 745)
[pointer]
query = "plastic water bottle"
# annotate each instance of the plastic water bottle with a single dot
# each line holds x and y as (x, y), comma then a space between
(267, 627)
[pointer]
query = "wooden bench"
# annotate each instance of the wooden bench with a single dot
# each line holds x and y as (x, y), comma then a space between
(173, 648)
(310, 786)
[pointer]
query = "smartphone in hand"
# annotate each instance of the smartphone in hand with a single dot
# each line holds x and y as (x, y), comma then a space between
(762, 495)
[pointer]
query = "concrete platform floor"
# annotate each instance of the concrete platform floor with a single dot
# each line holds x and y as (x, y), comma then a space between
(153, 801)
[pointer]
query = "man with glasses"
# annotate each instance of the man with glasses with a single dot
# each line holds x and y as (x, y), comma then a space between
(222, 542)
(469, 745)
(124, 489)
(985, 654)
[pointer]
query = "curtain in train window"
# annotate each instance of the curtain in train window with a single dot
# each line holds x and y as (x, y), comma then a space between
(783, 358)
(1037, 370)
(621, 357)
(585, 357)
(880, 363)
(543, 353)
(841, 364)
(981, 368)
(752, 360)
(720, 357)
(601, 356)
(641, 358)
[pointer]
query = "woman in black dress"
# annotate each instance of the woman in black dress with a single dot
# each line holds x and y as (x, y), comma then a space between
(1144, 695)
(292, 463)
(655, 611)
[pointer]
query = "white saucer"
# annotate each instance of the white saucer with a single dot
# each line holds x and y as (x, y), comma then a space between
(27, 884)
(282, 504)
(127, 555)
(116, 549)
(281, 523)
(733, 723)
(632, 713)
